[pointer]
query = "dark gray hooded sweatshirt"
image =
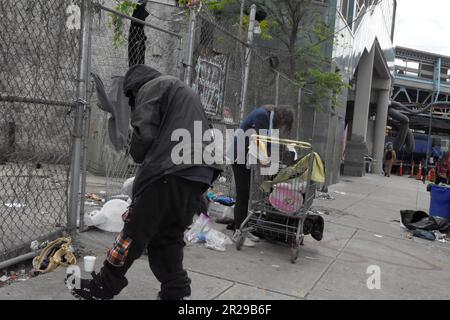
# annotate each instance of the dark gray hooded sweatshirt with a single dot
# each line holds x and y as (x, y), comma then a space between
(162, 105)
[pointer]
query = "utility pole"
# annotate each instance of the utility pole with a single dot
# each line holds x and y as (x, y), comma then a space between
(248, 53)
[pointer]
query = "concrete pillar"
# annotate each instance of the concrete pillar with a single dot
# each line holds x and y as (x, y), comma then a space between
(380, 126)
(357, 146)
(362, 99)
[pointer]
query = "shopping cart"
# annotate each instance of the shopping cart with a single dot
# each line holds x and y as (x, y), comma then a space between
(279, 202)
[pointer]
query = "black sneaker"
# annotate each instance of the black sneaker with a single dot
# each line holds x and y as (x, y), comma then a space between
(90, 289)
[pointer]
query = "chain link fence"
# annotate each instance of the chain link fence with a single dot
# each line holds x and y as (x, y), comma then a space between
(216, 72)
(119, 42)
(39, 59)
(38, 86)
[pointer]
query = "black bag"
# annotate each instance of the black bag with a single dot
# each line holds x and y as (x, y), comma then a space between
(419, 220)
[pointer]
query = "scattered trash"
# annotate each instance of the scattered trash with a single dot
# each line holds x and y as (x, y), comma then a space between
(103, 193)
(56, 253)
(201, 231)
(15, 205)
(220, 211)
(34, 245)
(202, 224)
(90, 203)
(94, 197)
(222, 179)
(422, 224)
(409, 236)
(340, 192)
(216, 240)
(440, 236)
(378, 236)
(4, 278)
(109, 217)
(427, 235)
(319, 212)
(324, 195)
(22, 276)
(275, 266)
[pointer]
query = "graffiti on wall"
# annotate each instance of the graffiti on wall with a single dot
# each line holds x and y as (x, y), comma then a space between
(210, 83)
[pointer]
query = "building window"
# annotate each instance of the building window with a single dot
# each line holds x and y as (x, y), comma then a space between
(347, 8)
(408, 67)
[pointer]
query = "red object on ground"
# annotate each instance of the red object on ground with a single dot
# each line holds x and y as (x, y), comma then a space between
(419, 174)
(400, 173)
(432, 174)
(429, 175)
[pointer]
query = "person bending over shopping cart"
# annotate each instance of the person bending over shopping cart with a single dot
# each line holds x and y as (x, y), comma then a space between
(264, 118)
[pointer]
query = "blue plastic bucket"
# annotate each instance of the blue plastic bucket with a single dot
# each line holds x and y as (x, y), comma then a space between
(440, 202)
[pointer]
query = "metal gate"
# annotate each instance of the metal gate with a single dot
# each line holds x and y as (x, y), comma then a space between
(39, 67)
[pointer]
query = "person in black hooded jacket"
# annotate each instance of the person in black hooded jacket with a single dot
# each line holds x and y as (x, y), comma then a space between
(166, 195)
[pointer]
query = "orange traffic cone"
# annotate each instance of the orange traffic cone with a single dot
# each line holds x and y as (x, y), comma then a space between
(411, 175)
(429, 175)
(400, 173)
(419, 174)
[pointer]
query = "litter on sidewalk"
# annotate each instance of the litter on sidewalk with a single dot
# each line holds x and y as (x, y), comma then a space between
(424, 226)
(202, 231)
(57, 253)
(324, 195)
(109, 217)
(15, 205)
(94, 197)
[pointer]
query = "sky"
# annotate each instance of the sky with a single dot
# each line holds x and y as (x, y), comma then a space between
(423, 25)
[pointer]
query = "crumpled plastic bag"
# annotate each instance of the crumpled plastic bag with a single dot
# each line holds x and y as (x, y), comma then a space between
(201, 225)
(202, 231)
(127, 187)
(217, 240)
(109, 218)
(413, 220)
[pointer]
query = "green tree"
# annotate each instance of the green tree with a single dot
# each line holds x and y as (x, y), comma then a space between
(305, 35)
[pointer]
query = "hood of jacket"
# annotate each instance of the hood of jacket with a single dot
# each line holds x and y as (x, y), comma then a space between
(136, 77)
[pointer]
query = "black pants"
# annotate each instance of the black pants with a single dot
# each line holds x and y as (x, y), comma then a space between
(156, 220)
(242, 181)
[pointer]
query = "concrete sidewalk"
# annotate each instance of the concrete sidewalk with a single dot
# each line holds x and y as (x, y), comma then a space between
(362, 229)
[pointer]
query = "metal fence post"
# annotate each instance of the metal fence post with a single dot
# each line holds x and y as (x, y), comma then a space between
(180, 59)
(277, 89)
(75, 167)
(248, 52)
(299, 112)
(190, 52)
